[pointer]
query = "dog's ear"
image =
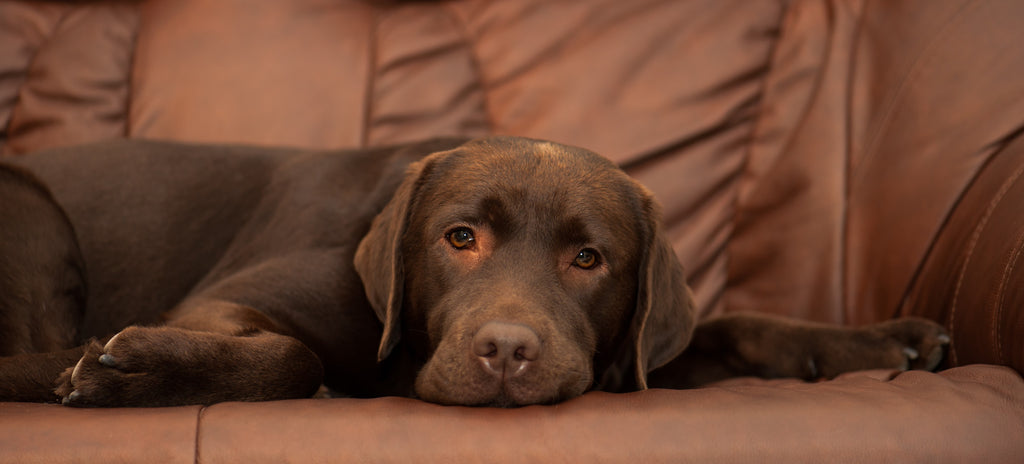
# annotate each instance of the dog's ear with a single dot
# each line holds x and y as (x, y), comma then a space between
(378, 259)
(665, 315)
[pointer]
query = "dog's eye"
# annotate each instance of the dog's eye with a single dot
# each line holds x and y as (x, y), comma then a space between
(461, 238)
(586, 259)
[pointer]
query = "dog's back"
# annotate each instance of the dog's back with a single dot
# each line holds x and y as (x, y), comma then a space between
(156, 220)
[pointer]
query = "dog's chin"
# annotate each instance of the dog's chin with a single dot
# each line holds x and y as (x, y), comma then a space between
(502, 398)
(482, 390)
(507, 400)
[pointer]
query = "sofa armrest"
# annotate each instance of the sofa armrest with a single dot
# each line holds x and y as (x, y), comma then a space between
(973, 278)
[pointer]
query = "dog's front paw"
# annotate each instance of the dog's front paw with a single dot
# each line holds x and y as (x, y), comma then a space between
(91, 382)
(924, 343)
(168, 366)
(135, 368)
(73, 376)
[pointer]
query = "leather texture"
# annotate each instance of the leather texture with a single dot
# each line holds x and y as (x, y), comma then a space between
(843, 161)
(967, 414)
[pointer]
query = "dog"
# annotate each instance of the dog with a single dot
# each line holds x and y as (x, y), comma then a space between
(500, 271)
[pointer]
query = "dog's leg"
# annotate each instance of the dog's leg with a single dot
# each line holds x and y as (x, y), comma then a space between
(42, 288)
(217, 346)
(748, 344)
(30, 376)
(226, 352)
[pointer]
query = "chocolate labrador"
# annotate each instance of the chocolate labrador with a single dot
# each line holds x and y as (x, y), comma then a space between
(502, 271)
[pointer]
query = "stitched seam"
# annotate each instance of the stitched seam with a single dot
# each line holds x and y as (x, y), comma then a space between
(871, 149)
(844, 231)
(904, 309)
(1007, 272)
(993, 150)
(199, 422)
(975, 236)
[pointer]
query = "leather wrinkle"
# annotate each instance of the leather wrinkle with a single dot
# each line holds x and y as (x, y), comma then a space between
(438, 51)
(889, 107)
(474, 59)
(737, 117)
(1018, 249)
(130, 95)
(371, 76)
(67, 29)
(454, 46)
(872, 150)
(757, 127)
(788, 16)
(32, 63)
(814, 91)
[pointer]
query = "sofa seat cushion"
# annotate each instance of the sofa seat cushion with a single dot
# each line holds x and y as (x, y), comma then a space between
(967, 414)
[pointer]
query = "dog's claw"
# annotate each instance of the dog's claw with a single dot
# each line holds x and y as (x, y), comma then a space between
(108, 360)
(71, 398)
(813, 368)
(910, 353)
(943, 339)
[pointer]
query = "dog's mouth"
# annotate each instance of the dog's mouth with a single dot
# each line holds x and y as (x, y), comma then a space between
(481, 375)
(509, 400)
(493, 394)
(487, 392)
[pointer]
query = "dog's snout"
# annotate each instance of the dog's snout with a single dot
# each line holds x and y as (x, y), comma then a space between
(506, 349)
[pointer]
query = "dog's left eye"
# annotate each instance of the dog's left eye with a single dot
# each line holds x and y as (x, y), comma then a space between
(586, 259)
(461, 238)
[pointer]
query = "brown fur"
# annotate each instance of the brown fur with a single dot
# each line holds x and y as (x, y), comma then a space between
(219, 274)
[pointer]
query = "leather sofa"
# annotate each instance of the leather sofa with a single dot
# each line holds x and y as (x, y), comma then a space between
(841, 161)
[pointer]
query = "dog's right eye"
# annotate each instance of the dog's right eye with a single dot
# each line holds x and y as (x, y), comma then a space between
(586, 259)
(461, 238)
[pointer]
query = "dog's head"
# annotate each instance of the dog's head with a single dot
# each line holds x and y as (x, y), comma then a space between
(525, 272)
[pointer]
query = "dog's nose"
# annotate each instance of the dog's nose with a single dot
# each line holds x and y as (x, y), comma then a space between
(505, 349)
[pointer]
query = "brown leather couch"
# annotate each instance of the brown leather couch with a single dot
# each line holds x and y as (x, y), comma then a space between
(844, 161)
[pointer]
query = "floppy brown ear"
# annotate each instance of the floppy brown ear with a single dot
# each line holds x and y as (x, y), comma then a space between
(665, 315)
(378, 259)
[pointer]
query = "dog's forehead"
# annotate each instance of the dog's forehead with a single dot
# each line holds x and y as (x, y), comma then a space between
(515, 162)
(523, 178)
